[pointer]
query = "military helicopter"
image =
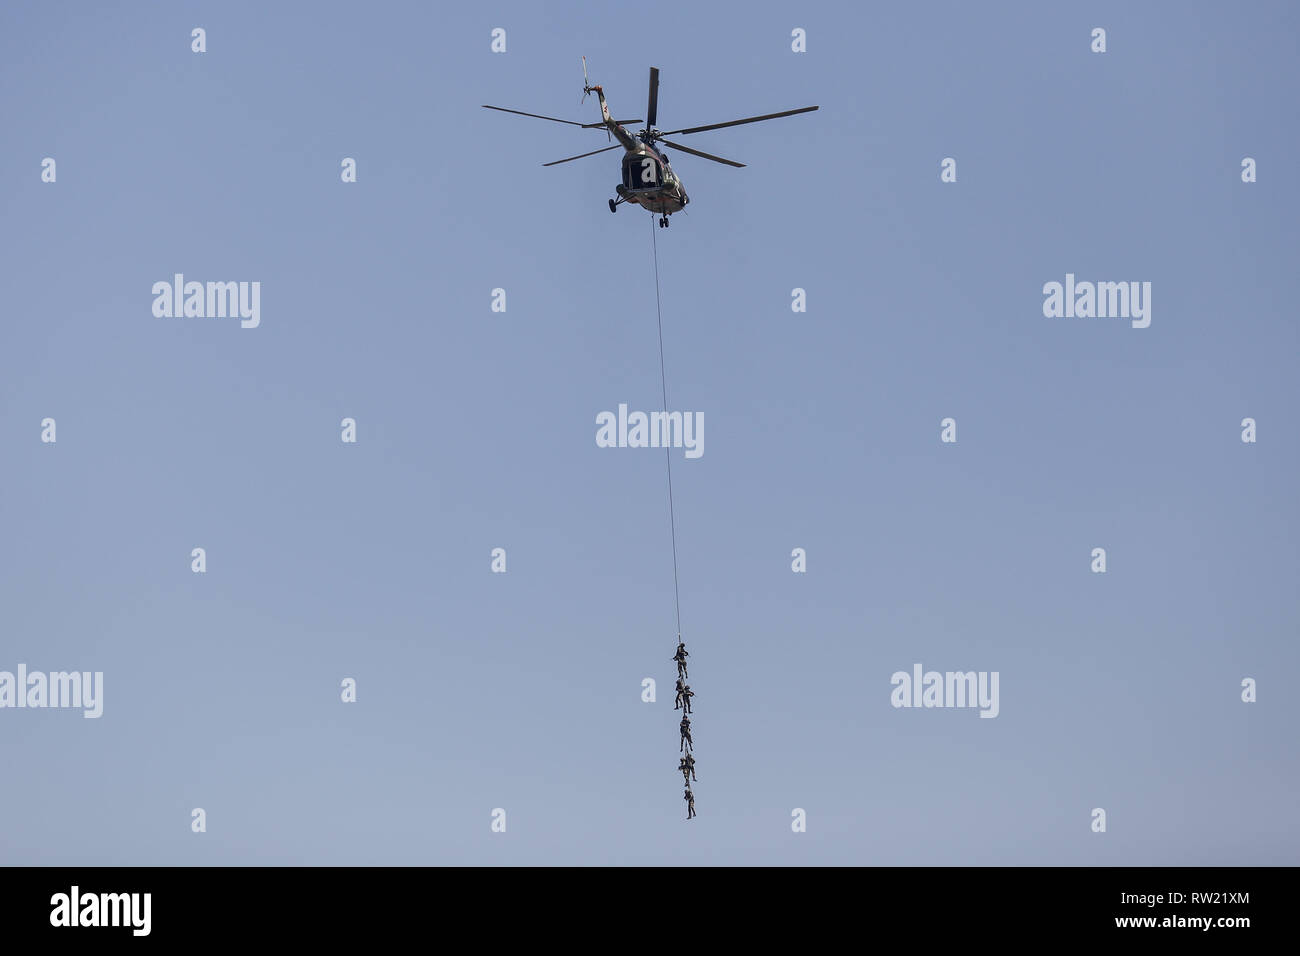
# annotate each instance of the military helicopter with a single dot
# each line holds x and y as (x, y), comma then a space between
(648, 179)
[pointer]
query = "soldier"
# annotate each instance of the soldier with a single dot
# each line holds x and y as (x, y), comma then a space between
(686, 734)
(686, 696)
(685, 768)
(680, 658)
(689, 761)
(677, 704)
(690, 803)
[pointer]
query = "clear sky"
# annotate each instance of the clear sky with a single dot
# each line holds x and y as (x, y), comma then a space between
(476, 430)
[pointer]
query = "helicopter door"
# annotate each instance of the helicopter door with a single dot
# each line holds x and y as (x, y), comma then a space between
(642, 172)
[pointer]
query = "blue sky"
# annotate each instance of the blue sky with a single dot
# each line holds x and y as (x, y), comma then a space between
(476, 430)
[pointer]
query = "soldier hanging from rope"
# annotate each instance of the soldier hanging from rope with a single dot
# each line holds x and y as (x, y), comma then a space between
(690, 803)
(687, 766)
(686, 696)
(677, 704)
(686, 742)
(680, 658)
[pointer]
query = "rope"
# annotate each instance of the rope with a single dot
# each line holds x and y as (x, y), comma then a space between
(672, 517)
(668, 459)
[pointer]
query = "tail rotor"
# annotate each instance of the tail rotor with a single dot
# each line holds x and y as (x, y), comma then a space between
(587, 89)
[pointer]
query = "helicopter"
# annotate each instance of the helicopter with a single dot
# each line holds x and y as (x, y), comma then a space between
(648, 179)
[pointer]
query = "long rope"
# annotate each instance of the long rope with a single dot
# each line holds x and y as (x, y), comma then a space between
(668, 458)
(686, 746)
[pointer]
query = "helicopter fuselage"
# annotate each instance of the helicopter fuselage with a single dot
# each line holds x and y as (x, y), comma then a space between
(648, 178)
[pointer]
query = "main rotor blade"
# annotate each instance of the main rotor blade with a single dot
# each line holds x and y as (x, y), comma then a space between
(580, 155)
(652, 107)
(602, 125)
(534, 115)
(696, 152)
(751, 119)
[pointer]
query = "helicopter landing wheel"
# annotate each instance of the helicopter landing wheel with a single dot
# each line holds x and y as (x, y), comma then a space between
(613, 206)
